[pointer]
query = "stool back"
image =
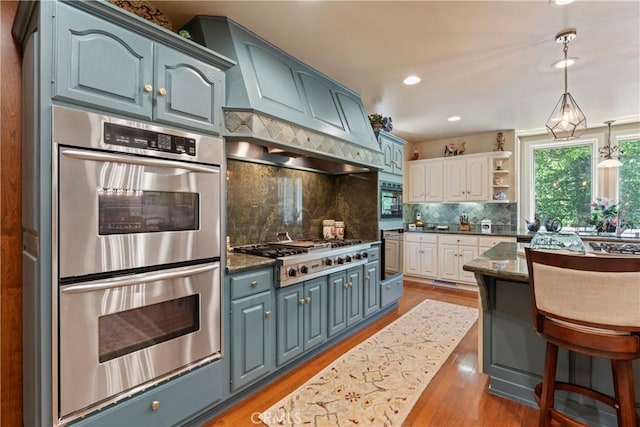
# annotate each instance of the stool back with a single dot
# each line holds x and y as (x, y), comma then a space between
(592, 291)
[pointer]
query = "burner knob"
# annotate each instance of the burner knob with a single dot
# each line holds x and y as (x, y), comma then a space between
(348, 258)
(340, 260)
(358, 256)
(304, 269)
(292, 272)
(365, 255)
(328, 261)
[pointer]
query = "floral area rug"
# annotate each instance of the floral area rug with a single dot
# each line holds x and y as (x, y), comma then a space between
(377, 382)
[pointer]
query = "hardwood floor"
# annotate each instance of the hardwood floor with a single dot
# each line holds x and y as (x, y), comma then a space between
(457, 395)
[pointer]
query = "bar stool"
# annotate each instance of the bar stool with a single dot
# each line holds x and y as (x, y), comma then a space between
(590, 305)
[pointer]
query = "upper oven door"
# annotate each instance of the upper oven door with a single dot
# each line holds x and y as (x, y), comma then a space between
(390, 200)
(120, 211)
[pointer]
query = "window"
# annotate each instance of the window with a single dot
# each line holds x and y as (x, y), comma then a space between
(560, 179)
(629, 182)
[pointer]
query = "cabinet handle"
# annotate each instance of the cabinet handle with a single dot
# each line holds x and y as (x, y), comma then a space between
(301, 301)
(162, 91)
(148, 88)
(388, 286)
(367, 277)
(307, 300)
(155, 405)
(267, 314)
(254, 284)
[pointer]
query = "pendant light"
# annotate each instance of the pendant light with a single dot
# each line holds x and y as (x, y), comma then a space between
(608, 161)
(567, 120)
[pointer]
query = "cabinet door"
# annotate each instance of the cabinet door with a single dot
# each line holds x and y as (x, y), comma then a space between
(315, 312)
(189, 92)
(429, 260)
(397, 159)
(412, 257)
(355, 295)
(434, 185)
(416, 174)
(371, 288)
(455, 183)
(477, 185)
(466, 254)
(449, 262)
(101, 64)
(289, 332)
(252, 337)
(392, 256)
(387, 151)
(337, 303)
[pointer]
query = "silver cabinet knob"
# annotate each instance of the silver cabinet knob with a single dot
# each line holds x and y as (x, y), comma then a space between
(148, 88)
(307, 300)
(267, 314)
(254, 284)
(301, 301)
(162, 91)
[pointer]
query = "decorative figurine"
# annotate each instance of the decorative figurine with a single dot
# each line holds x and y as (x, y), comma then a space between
(463, 148)
(387, 126)
(500, 142)
(449, 150)
(415, 155)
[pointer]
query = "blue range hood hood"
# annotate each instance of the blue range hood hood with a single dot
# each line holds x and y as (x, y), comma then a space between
(275, 101)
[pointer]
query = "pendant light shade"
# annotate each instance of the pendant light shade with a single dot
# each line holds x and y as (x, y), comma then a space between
(567, 121)
(608, 161)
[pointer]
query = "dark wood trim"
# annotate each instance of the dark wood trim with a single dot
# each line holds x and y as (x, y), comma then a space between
(10, 222)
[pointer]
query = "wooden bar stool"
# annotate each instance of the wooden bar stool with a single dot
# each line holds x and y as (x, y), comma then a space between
(590, 305)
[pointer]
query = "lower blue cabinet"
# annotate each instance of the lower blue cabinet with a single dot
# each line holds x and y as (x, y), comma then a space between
(371, 288)
(167, 404)
(252, 338)
(345, 299)
(301, 318)
(391, 290)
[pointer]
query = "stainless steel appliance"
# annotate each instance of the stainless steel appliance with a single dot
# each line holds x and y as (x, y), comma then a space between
(390, 200)
(298, 261)
(392, 254)
(133, 195)
(615, 248)
(136, 255)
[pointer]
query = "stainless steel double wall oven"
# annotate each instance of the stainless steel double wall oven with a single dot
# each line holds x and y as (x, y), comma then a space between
(136, 238)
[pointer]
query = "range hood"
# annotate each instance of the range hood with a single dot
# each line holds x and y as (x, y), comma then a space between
(283, 108)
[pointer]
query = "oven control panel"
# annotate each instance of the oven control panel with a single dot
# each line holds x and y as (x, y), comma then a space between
(148, 140)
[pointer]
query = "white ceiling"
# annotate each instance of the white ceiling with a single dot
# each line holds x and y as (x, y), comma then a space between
(486, 61)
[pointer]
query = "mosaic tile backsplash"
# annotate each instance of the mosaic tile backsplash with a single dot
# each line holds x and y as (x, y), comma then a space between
(503, 216)
(263, 200)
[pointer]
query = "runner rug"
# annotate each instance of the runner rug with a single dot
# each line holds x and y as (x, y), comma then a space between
(377, 382)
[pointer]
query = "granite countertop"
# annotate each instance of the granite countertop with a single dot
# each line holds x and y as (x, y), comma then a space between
(525, 234)
(238, 262)
(502, 262)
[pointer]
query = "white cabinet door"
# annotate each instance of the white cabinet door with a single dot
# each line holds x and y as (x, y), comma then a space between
(429, 260)
(455, 181)
(416, 181)
(412, 258)
(449, 262)
(466, 254)
(477, 185)
(434, 185)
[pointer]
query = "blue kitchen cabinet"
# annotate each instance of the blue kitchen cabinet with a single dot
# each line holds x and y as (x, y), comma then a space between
(392, 149)
(101, 64)
(168, 404)
(345, 299)
(391, 290)
(252, 329)
(301, 318)
(371, 288)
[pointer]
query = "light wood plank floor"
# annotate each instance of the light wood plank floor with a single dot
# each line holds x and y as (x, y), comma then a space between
(457, 395)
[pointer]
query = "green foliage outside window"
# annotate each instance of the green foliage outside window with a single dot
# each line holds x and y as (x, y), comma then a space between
(563, 184)
(629, 203)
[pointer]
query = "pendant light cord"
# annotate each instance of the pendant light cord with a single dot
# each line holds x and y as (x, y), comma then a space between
(565, 49)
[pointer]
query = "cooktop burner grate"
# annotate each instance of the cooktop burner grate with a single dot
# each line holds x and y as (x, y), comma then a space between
(289, 248)
(617, 248)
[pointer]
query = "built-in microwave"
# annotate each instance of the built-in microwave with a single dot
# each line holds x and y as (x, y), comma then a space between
(390, 200)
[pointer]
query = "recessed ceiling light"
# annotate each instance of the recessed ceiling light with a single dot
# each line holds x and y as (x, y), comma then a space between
(411, 80)
(454, 118)
(561, 63)
(561, 2)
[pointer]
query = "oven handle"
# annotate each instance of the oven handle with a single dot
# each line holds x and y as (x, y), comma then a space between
(128, 281)
(108, 157)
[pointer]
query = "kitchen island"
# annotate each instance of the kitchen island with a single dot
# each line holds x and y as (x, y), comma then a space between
(512, 354)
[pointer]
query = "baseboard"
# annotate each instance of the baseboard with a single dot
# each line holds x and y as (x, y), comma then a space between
(441, 283)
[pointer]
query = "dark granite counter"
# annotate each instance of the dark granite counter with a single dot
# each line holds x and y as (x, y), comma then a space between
(525, 235)
(239, 262)
(502, 262)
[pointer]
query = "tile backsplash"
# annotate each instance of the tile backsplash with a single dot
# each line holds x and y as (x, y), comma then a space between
(263, 200)
(503, 216)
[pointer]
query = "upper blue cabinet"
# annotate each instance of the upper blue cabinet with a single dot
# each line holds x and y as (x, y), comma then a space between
(103, 64)
(268, 80)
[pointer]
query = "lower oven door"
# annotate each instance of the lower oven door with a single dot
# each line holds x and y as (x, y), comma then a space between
(119, 336)
(120, 211)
